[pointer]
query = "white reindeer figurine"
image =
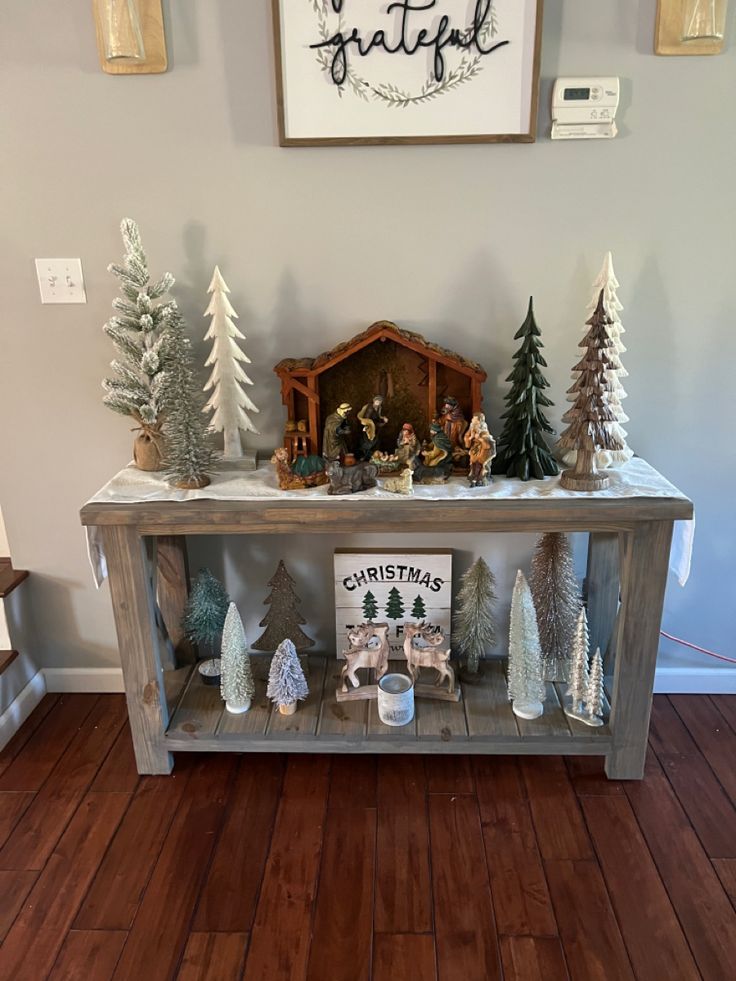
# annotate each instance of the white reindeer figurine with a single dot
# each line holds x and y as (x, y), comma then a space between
(433, 655)
(364, 654)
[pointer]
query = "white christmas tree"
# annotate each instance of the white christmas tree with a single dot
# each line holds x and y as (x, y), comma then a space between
(525, 683)
(594, 692)
(236, 677)
(578, 687)
(228, 402)
(286, 681)
(606, 281)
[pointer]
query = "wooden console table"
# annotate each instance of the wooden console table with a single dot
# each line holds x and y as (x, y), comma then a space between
(172, 711)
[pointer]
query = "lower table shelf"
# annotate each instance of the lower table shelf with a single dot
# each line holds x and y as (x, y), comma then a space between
(481, 722)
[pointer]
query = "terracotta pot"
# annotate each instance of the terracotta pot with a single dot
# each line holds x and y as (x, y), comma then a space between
(289, 709)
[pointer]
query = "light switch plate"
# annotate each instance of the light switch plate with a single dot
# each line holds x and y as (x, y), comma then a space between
(60, 280)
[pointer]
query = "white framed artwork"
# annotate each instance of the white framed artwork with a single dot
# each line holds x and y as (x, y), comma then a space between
(407, 71)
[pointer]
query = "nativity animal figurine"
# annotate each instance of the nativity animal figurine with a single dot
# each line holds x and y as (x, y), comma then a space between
(431, 654)
(403, 484)
(350, 480)
(369, 648)
(312, 471)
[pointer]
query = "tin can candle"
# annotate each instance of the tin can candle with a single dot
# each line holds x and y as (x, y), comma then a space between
(395, 700)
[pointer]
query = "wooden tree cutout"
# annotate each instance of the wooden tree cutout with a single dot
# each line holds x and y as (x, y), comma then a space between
(589, 418)
(282, 622)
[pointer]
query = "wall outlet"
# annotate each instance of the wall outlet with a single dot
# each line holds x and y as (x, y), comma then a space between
(61, 280)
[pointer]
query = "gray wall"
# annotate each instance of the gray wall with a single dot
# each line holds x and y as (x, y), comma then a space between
(447, 240)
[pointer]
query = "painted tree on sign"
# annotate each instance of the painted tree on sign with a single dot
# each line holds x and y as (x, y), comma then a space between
(370, 606)
(395, 605)
(236, 676)
(419, 610)
(283, 619)
(229, 402)
(474, 624)
(206, 609)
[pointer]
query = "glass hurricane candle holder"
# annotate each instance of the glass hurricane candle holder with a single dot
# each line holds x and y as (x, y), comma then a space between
(703, 20)
(121, 30)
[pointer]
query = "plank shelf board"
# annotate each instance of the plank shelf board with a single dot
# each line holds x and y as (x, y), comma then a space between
(482, 721)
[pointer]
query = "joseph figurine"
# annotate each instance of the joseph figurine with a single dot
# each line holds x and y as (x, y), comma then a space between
(336, 433)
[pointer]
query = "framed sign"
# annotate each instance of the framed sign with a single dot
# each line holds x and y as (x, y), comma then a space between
(407, 71)
(393, 587)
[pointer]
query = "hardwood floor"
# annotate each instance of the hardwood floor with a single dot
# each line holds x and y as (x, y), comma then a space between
(391, 868)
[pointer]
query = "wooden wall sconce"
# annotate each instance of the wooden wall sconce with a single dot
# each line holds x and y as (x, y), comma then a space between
(690, 27)
(130, 36)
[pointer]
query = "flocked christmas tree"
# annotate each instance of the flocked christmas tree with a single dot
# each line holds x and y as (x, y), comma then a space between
(236, 676)
(525, 683)
(139, 331)
(370, 606)
(578, 687)
(188, 457)
(283, 619)
(606, 281)
(522, 449)
(206, 609)
(228, 401)
(474, 628)
(590, 417)
(419, 610)
(286, 681)
(557, 601)
(593, 701)
(395, 605)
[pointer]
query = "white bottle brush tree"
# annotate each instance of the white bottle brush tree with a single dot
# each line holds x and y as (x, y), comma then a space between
(236, 676)
(228, 402)
(474, 627)
(606, 281)
(525, 684)
(594, 692)
(578, 687)
(139, 331)
(286, 681)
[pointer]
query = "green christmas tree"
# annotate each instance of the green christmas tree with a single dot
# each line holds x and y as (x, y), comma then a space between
(206, 609)
(395, 605)
(474, 628)
(139, 331)
(188, 449)
(522, 449)
(236, 676)
(370, 606)
(419, 610)
(282, 622)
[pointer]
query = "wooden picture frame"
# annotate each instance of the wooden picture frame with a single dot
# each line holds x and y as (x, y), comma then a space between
(389, 100)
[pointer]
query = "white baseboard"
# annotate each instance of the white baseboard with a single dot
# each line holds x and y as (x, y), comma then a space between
(21, 707)
(84, 679)
(695, 681)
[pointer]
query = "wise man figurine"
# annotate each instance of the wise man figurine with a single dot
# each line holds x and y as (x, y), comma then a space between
(482, 449)
(336, 433)
(454, 424)
(372, 419)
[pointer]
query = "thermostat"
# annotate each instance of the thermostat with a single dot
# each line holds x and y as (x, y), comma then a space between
(584, 108)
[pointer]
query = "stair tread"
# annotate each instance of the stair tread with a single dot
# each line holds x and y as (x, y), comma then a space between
(6, 659)
(10, 577)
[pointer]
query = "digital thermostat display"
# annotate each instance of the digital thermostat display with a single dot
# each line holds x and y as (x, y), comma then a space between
(572, 94)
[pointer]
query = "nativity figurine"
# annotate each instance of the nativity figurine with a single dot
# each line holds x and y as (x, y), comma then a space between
(454, 425)
(336, 433)
(436, 465)
(481, 447)
(372, 420)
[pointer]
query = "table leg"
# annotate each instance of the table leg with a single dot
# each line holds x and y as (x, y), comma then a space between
(133, 606)
(646, 554)
(602, 590)
(172, 592)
